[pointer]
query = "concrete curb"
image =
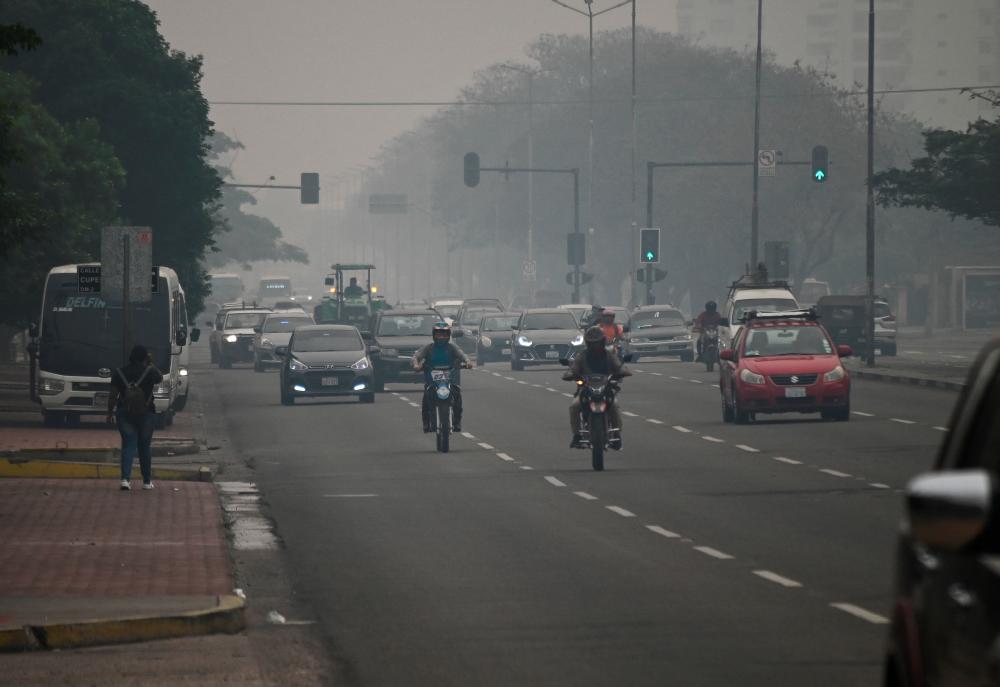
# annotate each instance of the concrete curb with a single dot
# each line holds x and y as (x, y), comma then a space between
(61, 469)
(907, 379)
(160, 449)
(227, 616)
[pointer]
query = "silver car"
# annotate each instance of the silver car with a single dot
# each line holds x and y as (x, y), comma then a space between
(276, 330)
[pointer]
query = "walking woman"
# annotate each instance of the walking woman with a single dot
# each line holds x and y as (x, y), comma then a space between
(130, 405)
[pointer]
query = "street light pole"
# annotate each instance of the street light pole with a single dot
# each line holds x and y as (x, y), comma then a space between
(870, 204)
(755, 210)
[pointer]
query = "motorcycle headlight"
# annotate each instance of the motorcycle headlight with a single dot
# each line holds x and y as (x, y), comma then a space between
(578, 341)
(751, 377)
(486, 341)
(834, 375)
(297, 366)
(266, 343)
(232, 338)
(48, 386)
(523, 341)
(362, 364)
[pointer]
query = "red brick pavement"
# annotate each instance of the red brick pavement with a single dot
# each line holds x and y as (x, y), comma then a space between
(64, 538)
(20, 431)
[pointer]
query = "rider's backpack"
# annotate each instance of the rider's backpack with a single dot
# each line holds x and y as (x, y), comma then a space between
(134, 400)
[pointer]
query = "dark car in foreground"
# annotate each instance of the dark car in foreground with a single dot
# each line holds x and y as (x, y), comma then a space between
(544, 336)
(945, 622)
(325, 360)
(398, 334)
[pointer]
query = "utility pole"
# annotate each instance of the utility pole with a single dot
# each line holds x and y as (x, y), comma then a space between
(870, 204)
(755, 211)
(635, 228)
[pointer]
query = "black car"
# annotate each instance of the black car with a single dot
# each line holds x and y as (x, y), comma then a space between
(545, 335)
(945, 625)
(467, 321)
(325, 360)
(495, 337)
(398, 334)
(659, 330)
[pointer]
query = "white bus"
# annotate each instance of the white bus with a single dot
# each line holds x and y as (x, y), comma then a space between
(80, 347)
(273, 288)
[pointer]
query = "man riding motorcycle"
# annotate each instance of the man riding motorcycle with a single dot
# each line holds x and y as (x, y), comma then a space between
(612, 332)
(708, 319)
(594, 360)
(441, 353)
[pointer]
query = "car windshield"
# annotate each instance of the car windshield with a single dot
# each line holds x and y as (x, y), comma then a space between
(407, 325)
(245, 320)
(472, 318)
(275, 325)
(549, 320)
(448, 310)
(793, 340)
(656, 318)
(275, 287)
(763, 305)
(498, 324)
(319, 340)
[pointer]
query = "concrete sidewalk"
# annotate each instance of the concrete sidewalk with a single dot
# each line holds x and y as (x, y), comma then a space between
(84, 563)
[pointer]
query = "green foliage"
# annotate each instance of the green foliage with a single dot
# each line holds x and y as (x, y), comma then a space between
(17, 36)
(106, 60)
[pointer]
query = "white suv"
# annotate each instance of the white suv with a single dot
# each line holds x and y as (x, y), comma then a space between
(743, 298)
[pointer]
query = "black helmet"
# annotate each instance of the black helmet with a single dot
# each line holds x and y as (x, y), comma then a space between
(711, 306)
(441, 328)
(594, 335)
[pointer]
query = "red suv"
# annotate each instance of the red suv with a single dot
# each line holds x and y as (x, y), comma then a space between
(784, 363)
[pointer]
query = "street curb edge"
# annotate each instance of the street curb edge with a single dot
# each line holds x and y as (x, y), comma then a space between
(912, 381)
(61, 469)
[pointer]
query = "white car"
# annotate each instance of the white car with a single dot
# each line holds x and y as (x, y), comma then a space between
(746, 297)
(448, 308)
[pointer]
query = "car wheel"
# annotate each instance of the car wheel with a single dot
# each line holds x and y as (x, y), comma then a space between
(160, 420)
(180, 403)
(378, 384)
(257, 365)
(515, 364)
(480, 359)
(727, 412)
(635, 357)
(286, 398)
(740, 416)
(224, 362)
(366, 398)
(687, 357)
(213, 356)
(53, 418)
(888, 349)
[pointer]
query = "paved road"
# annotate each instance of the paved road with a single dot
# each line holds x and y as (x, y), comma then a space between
(706, 554)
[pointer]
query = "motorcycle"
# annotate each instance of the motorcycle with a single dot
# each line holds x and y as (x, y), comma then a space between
(710, 347)
(597, 393)
(442, 397)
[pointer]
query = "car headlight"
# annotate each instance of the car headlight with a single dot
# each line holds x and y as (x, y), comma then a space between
(523, 341)
(297, 366)
(639, 339)
(362, 364)
(486, 341)
(184, 372)
(232, 338)
(834, 375)
(266, 343)
(390, 352)
(48, 386)
(578, 341)
(751, 377)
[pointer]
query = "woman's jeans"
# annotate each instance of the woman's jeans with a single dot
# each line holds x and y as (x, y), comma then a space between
(136, 438)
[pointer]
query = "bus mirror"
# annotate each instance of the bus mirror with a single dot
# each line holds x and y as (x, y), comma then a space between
(329, 281)
(180, 338)
(33, 330)
(195, 335)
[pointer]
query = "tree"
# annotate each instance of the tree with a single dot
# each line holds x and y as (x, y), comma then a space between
(17, 36)
(960, 173)
(106, 60)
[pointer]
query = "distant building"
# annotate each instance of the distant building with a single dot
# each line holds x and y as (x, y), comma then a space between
(919, 44)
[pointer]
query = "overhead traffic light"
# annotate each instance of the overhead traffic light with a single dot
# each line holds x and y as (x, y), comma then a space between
(576, 249)
(309, 188)
(820, 164)
(649, 246)
(471, 170)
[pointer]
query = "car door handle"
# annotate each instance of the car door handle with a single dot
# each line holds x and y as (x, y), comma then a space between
(961, 596)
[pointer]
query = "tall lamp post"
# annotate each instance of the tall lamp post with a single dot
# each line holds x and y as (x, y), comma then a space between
(870, 204)
(755, 209)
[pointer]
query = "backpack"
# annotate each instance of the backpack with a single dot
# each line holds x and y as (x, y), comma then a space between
(134, 401)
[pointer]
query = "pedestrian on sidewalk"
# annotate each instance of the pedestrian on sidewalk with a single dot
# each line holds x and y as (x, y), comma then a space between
(130, 405)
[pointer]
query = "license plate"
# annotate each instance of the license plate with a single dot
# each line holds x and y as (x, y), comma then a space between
(504, 351)
(330, 381)
(101, 399)
(552, 354)
(795, 392)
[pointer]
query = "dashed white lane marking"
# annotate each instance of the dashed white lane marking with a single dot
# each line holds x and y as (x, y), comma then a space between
(585, 496)
(654, 421)
(527, 467)
(349, 496)
(879, 485)
(537, 386)
(468, 435)
(567, 395)
(696, 381)
(554, 481)
(621, 511)
(415, 405)
(902, 421)
(714, 440)
(394, 393)
(403, 398)
(776, 578)
(788, 461)
(504, 456)
(714, 553)
(496, 374)
(673, 377)
(835, 473)
(510, 379)
(549, 388)
(657, 374)
(681, 428)
(858, 412)
(939, 428)
(717, 386)
(483, 444)
(628, 414)
(862, 613)
(748, 449)
(521, 381)
(662, 532)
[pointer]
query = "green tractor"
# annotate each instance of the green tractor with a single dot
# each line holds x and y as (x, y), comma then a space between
(347, 304)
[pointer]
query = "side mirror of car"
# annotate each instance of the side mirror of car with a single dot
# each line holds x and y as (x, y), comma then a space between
(281, 351)
(374, 351)
(844, 351)
(727, 354)
(949, 510)
(195, 335)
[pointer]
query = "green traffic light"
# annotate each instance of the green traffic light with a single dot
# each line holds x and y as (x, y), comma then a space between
(820, 175)
(650, 255)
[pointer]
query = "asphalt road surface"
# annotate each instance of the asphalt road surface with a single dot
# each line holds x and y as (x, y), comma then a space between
(705, 554)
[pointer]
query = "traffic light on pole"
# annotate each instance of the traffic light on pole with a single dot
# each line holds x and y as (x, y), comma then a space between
(471, 170)
(309, 188)
(576, 249)
(820, 163)
(649, 246)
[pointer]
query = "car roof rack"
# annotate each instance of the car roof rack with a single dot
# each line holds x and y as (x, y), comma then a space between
(809, 314)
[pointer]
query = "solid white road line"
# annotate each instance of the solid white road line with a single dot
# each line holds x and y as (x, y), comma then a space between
(789, 461)
(776, 578)
(858, 412)
(879, 485)
(654, 421)
(902, 421)
(585, 496)
(554, 482)
(714, 553)
(682, 429)
(748, 449)
(527, 467)
(714, 440)
(467, 435)
(621, 511)
(628, 414)
(662, 532)
(504, 456)
(486, 446)
(835, 473)
(862, 613)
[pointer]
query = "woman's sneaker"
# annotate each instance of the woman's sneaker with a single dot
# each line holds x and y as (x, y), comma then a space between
(147, 485)
(126, 486)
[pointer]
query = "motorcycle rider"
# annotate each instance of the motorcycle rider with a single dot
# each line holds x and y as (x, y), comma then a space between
(595, 360)
(612, 332)
(708, 319)
(441, 353)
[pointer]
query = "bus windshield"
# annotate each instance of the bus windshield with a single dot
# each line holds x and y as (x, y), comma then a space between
(271, 288)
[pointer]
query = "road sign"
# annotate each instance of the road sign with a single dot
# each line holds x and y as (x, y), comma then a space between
(88, 278)
(576, 249)
(387, 203)
(767, 162)
(126, 249)
(529, 270)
